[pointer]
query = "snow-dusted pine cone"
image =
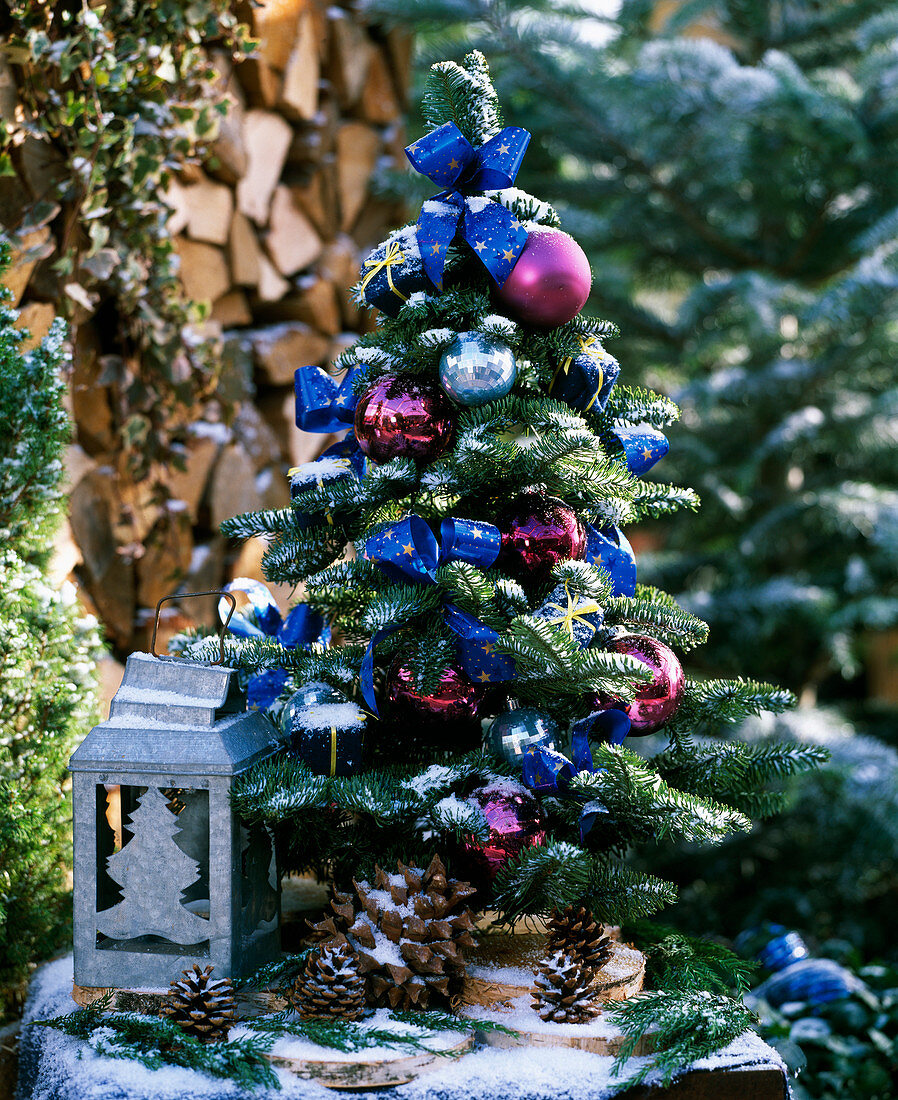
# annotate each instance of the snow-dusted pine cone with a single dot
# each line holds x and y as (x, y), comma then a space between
(563, 991)
(574, 933)
(330, 984)
(408, 931)
(200, 1005)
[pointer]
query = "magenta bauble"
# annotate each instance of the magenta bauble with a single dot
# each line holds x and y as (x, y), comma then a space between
(657, 700)
(516, 823)
(404, 417)
(538, 532)
(550, 283)
(454, 700)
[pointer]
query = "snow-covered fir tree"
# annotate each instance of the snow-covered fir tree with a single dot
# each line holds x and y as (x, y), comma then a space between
(47, 650)
(476, 580)
(731, 169)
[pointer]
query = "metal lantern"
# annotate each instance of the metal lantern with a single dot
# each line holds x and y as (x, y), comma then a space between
(166, 874)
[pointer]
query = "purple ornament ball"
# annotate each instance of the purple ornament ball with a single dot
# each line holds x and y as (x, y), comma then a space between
(538, 532)
(657, 700)
(516, 823)
(455, 699)
(404, 417)
(550, 283)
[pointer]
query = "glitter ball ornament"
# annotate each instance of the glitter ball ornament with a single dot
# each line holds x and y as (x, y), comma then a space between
(515, 821)
(455, 699)
(404, 417)
(475, 369)
(550, 282)
(657, 700)
(538, 532)
(514, 731)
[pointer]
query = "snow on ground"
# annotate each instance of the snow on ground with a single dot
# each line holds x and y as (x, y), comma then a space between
(56, 1067)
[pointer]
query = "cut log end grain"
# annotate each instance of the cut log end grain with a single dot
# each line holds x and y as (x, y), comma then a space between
(266, 138)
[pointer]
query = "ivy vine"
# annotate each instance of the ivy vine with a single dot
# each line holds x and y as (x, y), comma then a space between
(116, 97)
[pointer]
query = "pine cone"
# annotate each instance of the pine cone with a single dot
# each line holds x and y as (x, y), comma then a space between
(330, 984)
(201, 1006)
(407, 932)
(563, 990)
(574, 933)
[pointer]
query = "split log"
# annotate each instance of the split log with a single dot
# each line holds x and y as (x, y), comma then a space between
(210, 207)
(203, 270)
(299, 91)
(266, 137)
(292, 242)
(272, 285)
(232, 310)
(280, 349)
(378, 102)
(244, 251)
(349, 57)
(36, 318)
(358, 147)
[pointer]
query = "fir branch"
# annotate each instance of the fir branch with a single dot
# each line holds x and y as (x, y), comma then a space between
(617, 894)
(463, 94)
(348, 1036)
(641, 406)
(654, 500)
(686, 1026)
(276, 789)
(541, 879)
(665, 620)
(156, 1042)
(684, 964)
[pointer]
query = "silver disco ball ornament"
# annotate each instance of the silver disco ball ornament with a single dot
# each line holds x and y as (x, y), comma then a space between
(475, 369)
(514, 731)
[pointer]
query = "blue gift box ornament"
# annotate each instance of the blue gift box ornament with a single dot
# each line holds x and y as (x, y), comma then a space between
(393, 272)
(578, 616)
(584, 381)
(609, 548)
(642, 447)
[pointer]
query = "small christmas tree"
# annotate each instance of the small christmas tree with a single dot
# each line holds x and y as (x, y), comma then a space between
(482, 489)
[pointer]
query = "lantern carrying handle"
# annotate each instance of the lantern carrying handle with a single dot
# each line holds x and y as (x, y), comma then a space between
(189, 596)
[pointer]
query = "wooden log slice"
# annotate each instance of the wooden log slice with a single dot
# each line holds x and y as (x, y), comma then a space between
(370, 1074)
(503, 970)
(599, 1036)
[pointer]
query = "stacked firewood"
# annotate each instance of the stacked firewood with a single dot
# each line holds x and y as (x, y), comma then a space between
(271, 232)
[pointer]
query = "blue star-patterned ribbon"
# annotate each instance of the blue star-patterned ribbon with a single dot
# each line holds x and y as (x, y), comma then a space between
(610, 549)
(302, 627)
(447, 157)
(549, 772)
(408, 550)
(642, 446)
(322, 405)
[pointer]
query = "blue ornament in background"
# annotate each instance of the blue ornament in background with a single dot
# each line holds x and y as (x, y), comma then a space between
(475, 369)
(814, 981)
(782, 950)
(514, 731)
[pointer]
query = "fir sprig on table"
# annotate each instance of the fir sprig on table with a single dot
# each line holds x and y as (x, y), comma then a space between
(686, 1026)
(156, 1042)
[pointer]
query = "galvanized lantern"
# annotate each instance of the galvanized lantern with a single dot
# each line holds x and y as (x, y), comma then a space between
(165, 873)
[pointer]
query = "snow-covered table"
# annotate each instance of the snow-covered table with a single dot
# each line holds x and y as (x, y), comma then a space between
(54, 1066)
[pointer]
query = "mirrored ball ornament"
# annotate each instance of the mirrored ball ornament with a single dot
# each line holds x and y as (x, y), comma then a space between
(514, 731)
(475, 369)
(455, 698)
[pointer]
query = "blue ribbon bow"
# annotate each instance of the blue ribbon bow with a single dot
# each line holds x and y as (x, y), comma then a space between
(408, 550)
(302, 627)
(549, 772)
(642, 447)
(447, 157)
(610, 549)
(322, 405)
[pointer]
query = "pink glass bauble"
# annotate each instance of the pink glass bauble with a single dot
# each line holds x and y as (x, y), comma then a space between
(404, 417)
(550, 283)
(455, 700)
(538, 532)
(657, 700)
(516, 823)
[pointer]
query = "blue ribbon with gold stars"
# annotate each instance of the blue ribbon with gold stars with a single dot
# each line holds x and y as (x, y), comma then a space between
(549, 772)
(322, 405)
(447, 157)
(610, 549)
(262, 619)
(408, 550)
(642, 447)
